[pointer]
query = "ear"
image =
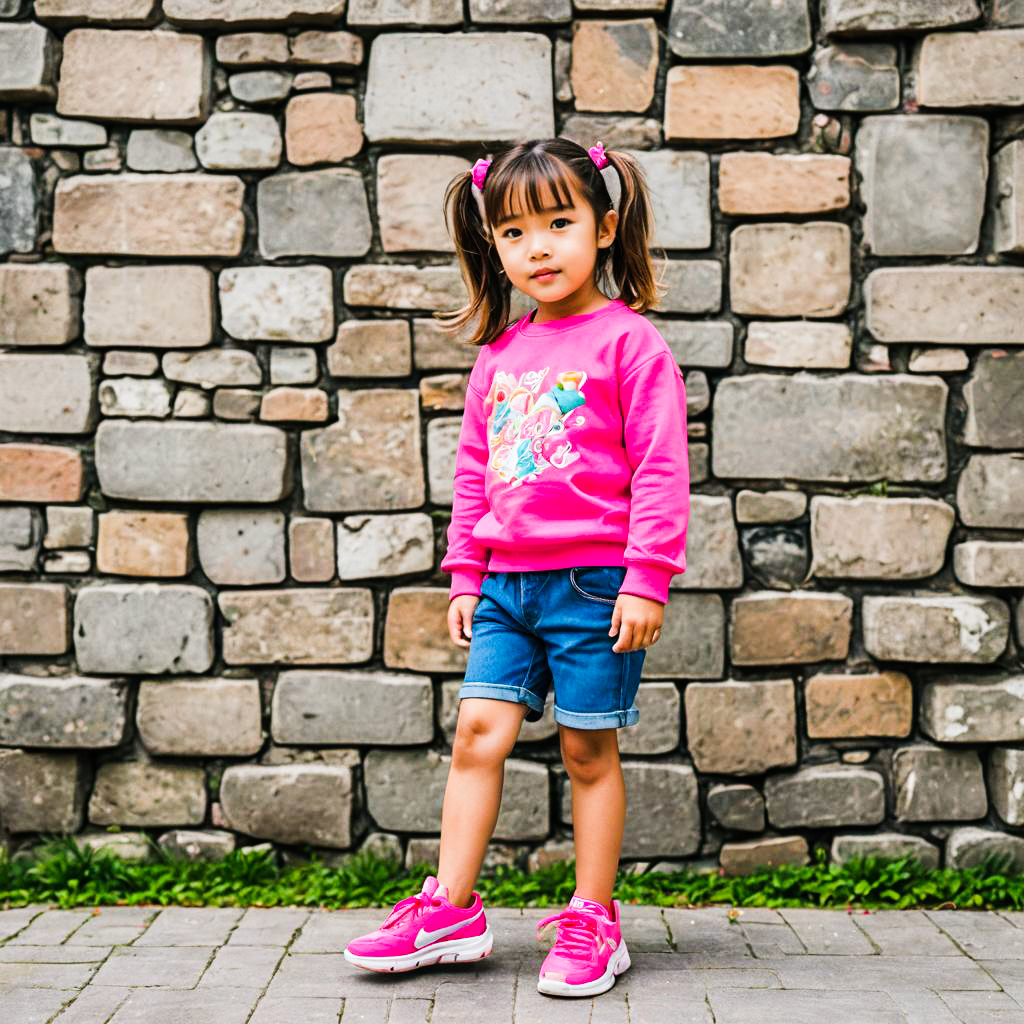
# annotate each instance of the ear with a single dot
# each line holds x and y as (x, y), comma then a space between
(606, 229)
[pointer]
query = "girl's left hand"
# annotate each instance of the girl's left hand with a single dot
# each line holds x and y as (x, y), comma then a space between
(638, 622)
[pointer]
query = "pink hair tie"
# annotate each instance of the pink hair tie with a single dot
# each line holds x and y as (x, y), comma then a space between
(608, 172)
(480, 169)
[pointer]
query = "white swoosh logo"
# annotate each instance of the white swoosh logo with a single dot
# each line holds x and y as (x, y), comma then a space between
(424, 937)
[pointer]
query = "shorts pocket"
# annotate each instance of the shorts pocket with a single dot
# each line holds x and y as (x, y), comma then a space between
(597, 582)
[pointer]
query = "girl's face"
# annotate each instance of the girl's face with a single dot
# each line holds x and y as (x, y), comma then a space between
(563, 241)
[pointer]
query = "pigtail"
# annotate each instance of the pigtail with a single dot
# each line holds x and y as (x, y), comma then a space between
(631, 266)
(490, 293)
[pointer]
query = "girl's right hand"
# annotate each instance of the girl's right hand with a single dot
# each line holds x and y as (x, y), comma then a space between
(460, 618)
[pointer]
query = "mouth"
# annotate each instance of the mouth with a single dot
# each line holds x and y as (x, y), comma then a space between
(546, 275)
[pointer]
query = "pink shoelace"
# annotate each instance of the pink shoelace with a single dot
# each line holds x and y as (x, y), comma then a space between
(416, 904)
(577, 932)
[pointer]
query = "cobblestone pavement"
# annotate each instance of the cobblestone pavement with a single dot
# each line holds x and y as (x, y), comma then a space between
(126, 965)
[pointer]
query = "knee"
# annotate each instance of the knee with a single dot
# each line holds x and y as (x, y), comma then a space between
(478, 742)
(588, 758)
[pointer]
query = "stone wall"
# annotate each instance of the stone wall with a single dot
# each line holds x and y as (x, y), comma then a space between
(227, 419)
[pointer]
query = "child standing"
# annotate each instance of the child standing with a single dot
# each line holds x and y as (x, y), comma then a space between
(569, 520)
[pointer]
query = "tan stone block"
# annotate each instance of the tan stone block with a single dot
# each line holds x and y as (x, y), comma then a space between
(410, 198)
(770, 506)
(445, 391)
(149, 214)
(311, 549)
(307, 626)
(764, 183)
(614, 64)
(879, 538)
(416, 631)
(321, 127)
(874, 704)
(741, 727)
(777, 628)
(731, 101)
(938, 360)
(970, 69)
(326, 48)
(307, 405)
(144, 544)
(164, 306)
(160, 76)
(229, 13)
(798, 344)
(39, 303)
(370, 348)
(773, 851)
(40, 472)
(245, 49)
(122, 12)
(33, 618)
(400, 286)
(790, 269)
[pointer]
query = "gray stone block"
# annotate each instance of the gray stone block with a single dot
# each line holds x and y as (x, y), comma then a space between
(19, 208)
(1005, 776)
(242, 547)
(50, 130)
(428, 87)
(841, 428)
(387, 545)
(404, 790)
(160, 149)
(923, 182)
(313, 213)
(995, 413)
(277, 303)
(46, 394)
(712, 544)
(41, 792)
(1008, 190)
(322, 707)
(239, 140)
(935, 784)
(143, 627)
(197, 844)
(967, 847)
(983, 563)
(825, 796)
(274, 803)
(935, 628)
(232, 13)
(256, 87)
(300, 626)
(136, 793)
(193, 717)
(21, 535)
(737, 806)
(973, 710)
(884, 844)
(949, 305)
(192, 462)
(991, 491)
(865, 16)
(29, 55)
(69, 711)
(855, 76)
(692, 643)
(679, 183)
(657, 731)
(739, 28)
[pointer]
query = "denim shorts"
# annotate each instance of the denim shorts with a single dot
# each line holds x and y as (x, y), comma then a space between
(541, 627)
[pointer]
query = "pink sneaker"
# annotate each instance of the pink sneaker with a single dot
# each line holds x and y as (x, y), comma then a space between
(589, 952)
(424, 929)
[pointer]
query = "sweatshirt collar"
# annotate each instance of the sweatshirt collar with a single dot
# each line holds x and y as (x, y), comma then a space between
(565, 323)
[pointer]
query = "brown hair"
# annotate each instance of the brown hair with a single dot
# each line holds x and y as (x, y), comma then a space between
(524, 170)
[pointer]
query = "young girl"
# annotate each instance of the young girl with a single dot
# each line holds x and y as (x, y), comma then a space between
(569, 520)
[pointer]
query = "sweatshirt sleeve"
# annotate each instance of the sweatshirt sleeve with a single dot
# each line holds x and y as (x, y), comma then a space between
(653, 401)
(466, 559)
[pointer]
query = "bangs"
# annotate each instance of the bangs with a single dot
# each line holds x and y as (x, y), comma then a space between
(536, 184)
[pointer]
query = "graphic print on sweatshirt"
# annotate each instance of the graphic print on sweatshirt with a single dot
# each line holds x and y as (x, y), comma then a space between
(527, 427)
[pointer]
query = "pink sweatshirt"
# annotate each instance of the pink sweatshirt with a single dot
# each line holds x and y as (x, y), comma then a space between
(573, 452)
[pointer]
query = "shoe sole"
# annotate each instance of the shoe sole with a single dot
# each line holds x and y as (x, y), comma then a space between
(618, 963)
(453, 951)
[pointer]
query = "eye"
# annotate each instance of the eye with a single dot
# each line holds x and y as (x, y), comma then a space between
(557, 219)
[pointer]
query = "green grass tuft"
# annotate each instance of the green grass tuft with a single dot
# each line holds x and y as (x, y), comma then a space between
(64, 874)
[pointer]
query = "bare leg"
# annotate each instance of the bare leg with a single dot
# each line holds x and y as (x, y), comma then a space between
(486, 732)
(591, 757)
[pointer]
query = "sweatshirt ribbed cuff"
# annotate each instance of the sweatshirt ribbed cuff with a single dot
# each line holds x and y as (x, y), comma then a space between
(645, 580)
(465, 581)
